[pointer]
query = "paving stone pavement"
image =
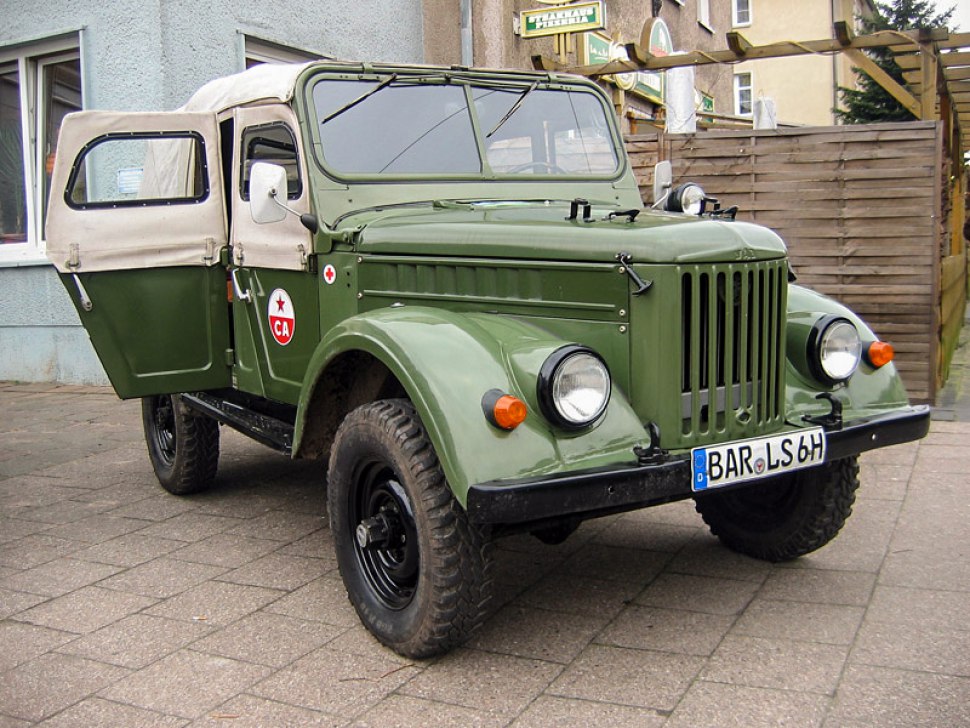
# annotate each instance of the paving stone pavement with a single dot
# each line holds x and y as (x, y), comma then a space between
(124, 606)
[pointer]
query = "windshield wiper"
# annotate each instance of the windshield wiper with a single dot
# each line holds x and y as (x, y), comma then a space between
(363, 97)
(515, 107)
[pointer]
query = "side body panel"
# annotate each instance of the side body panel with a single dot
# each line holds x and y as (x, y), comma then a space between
(278, 329)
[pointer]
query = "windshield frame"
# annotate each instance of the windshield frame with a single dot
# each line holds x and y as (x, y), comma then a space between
(516, 82)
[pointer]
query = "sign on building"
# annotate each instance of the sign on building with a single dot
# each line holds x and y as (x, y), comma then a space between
(573, 18)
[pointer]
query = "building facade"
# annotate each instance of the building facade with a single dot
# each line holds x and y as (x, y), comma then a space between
(804, 88)
(64, 55)
(493, 38)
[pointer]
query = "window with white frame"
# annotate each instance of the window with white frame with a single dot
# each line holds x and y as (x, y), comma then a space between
(263, 51)
(740, 12)
(39, 85)
(704, 13)
(742, 94)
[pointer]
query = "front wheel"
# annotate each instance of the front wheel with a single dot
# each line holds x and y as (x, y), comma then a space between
(183, 447)
(786, 516)
(416, 571)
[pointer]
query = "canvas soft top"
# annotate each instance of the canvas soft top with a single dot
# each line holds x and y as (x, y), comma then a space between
(265, 82)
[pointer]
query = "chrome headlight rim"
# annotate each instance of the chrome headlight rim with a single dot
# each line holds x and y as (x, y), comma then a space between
(817, 338)
(685, 199)
(551, 369)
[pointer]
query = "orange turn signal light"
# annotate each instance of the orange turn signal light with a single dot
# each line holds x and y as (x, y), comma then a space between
(503, 410)
(879, 353)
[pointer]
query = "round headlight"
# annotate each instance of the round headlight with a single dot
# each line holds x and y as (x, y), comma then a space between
(685, 198)
(574, 387)
(834, 349)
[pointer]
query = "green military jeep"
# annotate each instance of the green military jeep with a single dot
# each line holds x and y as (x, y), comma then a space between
(444, 281)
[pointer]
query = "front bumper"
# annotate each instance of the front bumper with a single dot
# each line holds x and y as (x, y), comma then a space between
(591, 493)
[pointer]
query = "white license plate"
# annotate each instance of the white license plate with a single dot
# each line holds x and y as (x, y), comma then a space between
(760, 457)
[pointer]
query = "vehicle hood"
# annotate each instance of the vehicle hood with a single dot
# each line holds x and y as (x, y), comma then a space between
(542, 232)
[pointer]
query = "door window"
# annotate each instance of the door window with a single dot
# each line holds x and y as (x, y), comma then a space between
(128, 169)
(273, 143)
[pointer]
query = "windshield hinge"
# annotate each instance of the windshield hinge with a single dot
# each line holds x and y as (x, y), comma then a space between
(574, 209)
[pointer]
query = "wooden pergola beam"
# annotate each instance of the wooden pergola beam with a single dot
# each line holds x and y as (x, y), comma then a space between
(865, 64)
(845, 35)
(738, 44)
(641, 60)
(929, 74)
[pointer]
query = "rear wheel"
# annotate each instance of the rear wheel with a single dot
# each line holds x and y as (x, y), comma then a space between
(786, 516)
(183, 447)
(417, 572)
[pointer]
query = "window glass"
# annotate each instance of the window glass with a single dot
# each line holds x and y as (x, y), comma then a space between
(391, 129)
(263, 51)
(133, 170)
(742, 12)
(61, 89)
(39, 85)
(13, 200)
(742, 94)
(407, 126)
(551, 132)
(704, 13)
(273, 143)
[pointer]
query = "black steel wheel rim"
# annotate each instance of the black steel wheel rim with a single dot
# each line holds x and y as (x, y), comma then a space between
(163, 431)
(389, 568)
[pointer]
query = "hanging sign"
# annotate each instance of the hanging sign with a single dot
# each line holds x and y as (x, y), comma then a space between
(597, 48)
(573, 18)
(655, 39)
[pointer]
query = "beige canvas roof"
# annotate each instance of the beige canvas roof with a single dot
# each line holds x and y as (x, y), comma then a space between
(265, 82)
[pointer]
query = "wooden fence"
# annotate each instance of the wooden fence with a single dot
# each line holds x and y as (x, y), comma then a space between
(862, 210)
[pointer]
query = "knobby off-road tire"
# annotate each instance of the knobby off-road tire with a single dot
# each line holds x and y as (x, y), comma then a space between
(786, 516)
(416, 571)
(183, 447)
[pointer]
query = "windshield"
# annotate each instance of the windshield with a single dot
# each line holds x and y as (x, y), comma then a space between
(413, 126)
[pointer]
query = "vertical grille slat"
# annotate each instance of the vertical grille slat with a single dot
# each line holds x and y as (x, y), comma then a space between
(732, 323)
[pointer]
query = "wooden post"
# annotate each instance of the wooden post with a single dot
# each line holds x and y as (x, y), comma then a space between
(929, 68)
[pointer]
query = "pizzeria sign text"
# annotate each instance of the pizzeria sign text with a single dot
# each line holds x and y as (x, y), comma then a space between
(574, 18)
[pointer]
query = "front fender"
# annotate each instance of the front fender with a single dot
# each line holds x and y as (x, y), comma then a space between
(868, 392)
(446, 362)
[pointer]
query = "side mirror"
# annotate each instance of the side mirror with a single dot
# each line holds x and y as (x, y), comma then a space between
(267, 192)
(663, 180)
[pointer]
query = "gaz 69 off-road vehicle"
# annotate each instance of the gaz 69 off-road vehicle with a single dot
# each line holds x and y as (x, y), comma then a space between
(444, 281)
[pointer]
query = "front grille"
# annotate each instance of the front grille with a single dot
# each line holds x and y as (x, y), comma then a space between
(732, 318)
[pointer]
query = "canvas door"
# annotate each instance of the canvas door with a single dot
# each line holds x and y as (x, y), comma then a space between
(136, 227)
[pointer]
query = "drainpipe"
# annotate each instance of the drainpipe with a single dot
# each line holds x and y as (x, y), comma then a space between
(836, 15)
(467, 47)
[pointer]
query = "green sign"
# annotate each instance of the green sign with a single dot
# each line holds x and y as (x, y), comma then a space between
(598, 49)
(658, 43)
(574, 18)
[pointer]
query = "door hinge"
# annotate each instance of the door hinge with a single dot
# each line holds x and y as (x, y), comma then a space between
(230, 357)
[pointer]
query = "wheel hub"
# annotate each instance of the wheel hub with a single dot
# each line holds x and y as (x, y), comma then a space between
(380, 531)
(385, 538)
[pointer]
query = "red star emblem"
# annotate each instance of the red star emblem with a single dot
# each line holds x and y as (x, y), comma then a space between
(279, 303)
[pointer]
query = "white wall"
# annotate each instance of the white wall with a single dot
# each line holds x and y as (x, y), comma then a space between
(151, 55)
